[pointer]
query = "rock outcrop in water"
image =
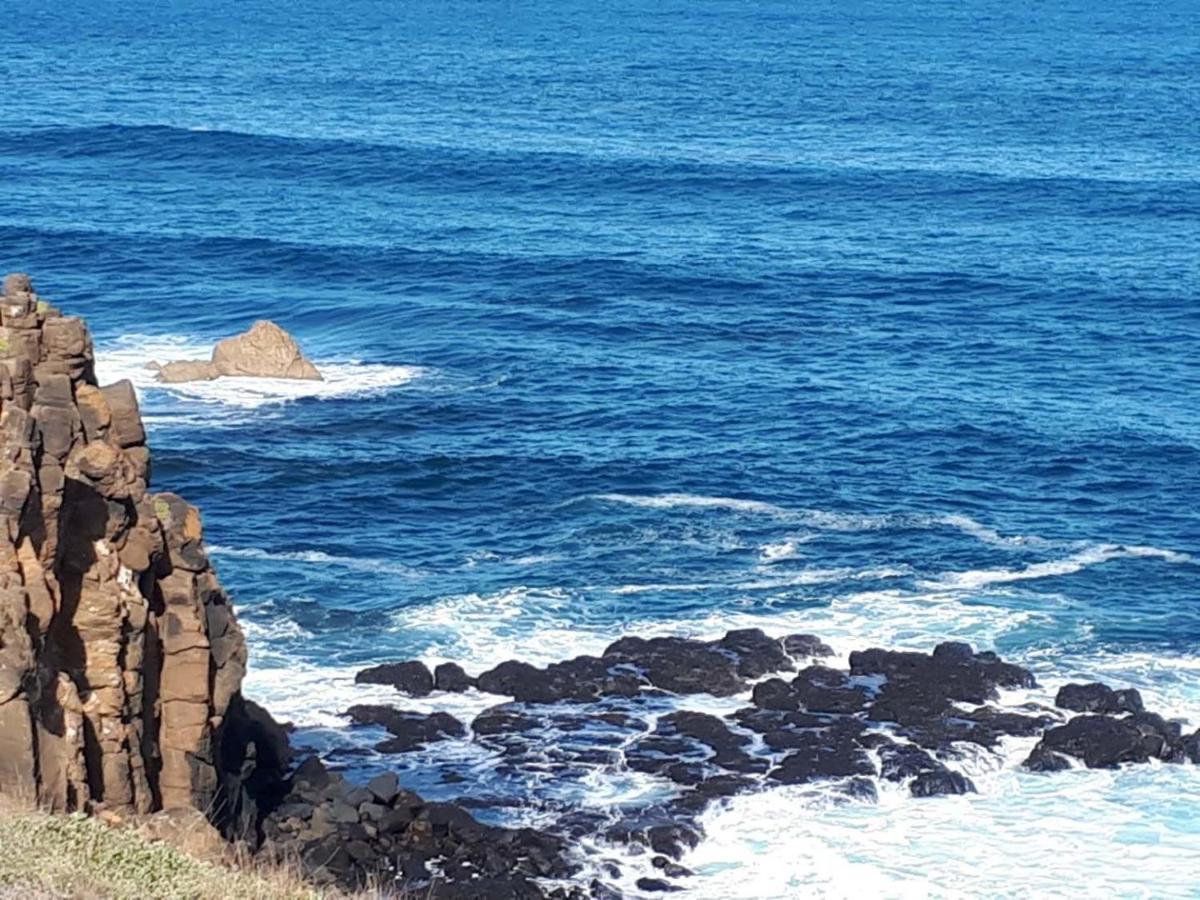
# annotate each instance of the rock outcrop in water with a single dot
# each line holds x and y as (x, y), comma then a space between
(265, 351)
(121, 660)
(914, 720)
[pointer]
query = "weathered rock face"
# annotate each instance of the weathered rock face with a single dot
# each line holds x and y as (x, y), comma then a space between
(121, 660)
(265, 351)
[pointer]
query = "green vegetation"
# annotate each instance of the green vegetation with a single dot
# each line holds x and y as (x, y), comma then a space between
(44, 856)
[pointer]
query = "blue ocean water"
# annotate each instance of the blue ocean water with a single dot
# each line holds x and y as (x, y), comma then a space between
(667, 317)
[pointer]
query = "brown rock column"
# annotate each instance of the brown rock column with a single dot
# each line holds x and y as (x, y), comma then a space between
(120, 655)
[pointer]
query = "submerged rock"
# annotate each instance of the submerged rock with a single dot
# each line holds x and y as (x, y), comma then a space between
(409, 729)
(264, 351)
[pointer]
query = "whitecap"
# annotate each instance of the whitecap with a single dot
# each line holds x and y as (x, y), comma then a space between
(778, 551)
(771, 582)
(987, 535)
(538, 625)
(1069, 565)
(276, 628)
(826, 520)
(695, 501)
(318, 558)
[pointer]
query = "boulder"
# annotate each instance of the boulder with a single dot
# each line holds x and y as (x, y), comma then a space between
(1098, 698)
(1103, 742)
(412, 677)
(264, 351)
(451, 677)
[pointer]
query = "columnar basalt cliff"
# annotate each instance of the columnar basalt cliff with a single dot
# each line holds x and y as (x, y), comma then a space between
(121, 660)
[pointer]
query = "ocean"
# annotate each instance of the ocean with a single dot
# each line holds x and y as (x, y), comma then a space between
(869, 320)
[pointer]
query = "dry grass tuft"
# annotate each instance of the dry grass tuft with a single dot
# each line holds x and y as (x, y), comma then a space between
(48, 857)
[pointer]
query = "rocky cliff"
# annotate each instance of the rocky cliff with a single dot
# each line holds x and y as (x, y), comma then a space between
(121, 660)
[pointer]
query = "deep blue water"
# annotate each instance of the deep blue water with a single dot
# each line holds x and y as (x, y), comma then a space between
(923, 285)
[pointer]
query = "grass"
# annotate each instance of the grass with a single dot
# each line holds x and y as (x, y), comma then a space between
(48, 857)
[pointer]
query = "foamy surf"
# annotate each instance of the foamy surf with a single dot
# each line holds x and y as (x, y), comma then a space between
(826, 520)
(810, 841)
(129, 356)
(318, 558)
(1069, 565)
(692, 501)
(1127, 833)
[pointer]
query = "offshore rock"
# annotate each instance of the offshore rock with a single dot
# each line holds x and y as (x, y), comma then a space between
(722, 667)
(265, 351)
(121, 660)
(412, 677)
(1099, 698)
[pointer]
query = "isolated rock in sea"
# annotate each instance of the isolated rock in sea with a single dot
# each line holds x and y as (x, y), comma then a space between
(121, 660)
(679, 665)
(265, 351)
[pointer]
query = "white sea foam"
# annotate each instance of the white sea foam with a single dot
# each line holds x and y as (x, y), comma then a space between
(318, 558)
(967, 525)
(313, 696)
(1106, 829)
(789, 548)
(673, 501)
(1124, 833)
(277, 628)
(826, 520)
(1068, 565)
(768, 582)
(529, 559)
(129, 356)
(538, 625)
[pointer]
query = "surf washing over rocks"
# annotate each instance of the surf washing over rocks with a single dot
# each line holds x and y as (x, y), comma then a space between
(611, 768)
(664, 319)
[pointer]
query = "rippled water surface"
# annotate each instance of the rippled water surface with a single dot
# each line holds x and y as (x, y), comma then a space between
(667, 317)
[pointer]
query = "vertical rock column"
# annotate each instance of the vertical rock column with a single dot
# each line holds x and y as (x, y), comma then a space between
(120, 655)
